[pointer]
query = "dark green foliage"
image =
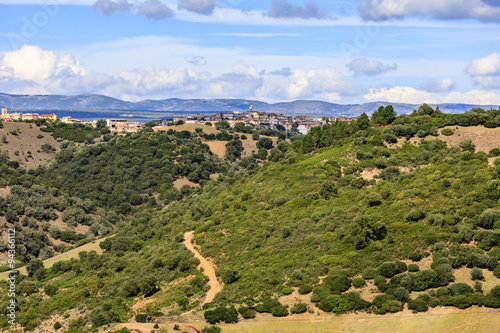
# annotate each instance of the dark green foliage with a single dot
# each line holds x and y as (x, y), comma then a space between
(299, 308)
(447, 131)
(57, 325)
(141, 318)
(221, 314)
(359, 282)
(413, 268)
(230, 276)
(338, 283)
(280, 311)
(51, 289)
(384, 115)
(476, 274)
(267, 306)
(265, 143)
(305, 289)
(418, 305)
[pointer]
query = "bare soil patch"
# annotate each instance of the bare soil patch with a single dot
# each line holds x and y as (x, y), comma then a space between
(26, 141)
(217, 147)
(178, 183)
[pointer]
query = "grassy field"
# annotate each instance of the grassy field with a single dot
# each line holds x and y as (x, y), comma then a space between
(443, 320)
(93, 246)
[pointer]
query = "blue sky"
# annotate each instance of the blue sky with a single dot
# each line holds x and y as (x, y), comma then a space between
(339, 51)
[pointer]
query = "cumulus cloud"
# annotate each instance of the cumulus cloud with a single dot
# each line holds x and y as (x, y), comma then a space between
(155, 10)
(443, 85)
(320, 83)
(243, 81)
(489, 65)
(110, 7)
(485, 71)
(204, 7)
(361, 66)
(282, 9)
(46, 72)
(401, 95)
(482, 10)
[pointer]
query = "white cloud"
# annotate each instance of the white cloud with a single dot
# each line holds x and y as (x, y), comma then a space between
(443, 85)
(413, 96)
(486, 11)
(45, 72)
(401, 95)
(489, 65)
(361, 66)
(485, 72)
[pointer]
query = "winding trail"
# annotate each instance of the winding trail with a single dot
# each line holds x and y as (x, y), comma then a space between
(208, 269)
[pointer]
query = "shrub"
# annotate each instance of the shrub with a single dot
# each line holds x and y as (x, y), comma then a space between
(305, 289)
(417, 305)
(287, 291)
(477, 274)
(379, 279)
(447, 131)
(413, 268)
(280, 311)
(494, 152)
(57, 325)
(141, 317)
(249, 314)
(388, 269)
(299, 308)
(369, 273)
(359, 282)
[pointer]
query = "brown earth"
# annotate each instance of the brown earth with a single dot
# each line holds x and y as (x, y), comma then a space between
(178, 183)
(188, 127)
(484, 138)
(26, 141)
(208, 269)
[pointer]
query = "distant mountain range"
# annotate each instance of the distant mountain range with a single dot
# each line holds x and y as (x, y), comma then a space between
(99, 102)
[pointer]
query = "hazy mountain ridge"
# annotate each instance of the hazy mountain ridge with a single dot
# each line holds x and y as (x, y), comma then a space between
(100, 102)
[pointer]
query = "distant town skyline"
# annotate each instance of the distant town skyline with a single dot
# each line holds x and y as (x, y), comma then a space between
(401, 51)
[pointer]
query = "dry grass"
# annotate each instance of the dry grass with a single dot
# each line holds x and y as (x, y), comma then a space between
(189, 127)
(178, 183)
(93, 246)
(443, 320)
(26, 141)
(484, 138)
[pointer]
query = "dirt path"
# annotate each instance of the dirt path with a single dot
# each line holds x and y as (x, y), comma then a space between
(208, 269)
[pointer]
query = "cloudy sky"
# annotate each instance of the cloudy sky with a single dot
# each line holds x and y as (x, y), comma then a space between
(339, 51)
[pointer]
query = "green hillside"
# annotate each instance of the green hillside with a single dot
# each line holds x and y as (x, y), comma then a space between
(343, 206)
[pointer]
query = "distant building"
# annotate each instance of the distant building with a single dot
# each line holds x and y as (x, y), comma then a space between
(51, 117)
(117, 125)
(29, 116)
(4, 113)
(69, 120)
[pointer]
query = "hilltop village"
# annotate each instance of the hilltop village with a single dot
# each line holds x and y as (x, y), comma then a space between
(300, 124)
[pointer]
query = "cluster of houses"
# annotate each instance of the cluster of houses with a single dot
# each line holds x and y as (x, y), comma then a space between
(5, 115)
(300, 124)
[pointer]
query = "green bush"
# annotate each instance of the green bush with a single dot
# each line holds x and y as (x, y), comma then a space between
(299, 308)
(280, 311)
(359, 282)
(417, 305)
(57, 325)
(369, 273)
(305, 289)
(447, 131)
(413, 268)
(211, 329)
(477, 274)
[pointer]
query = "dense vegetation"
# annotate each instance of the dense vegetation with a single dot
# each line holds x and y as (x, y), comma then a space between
(308, 214)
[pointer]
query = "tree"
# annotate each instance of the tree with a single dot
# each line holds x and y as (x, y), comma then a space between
(265, 143)
(363, 121)
(384, 115)
(100, 124)
(34, 266)
(148, 285)
(467, 145)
